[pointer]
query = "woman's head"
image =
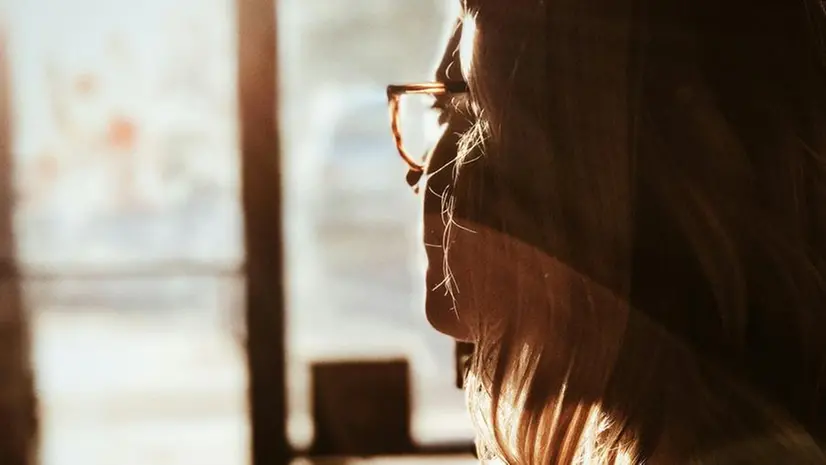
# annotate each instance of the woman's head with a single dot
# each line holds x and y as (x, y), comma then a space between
(632, 228)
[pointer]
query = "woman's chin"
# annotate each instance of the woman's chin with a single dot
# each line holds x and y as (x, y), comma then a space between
(442, 316)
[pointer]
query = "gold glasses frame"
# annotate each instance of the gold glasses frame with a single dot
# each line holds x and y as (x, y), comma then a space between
(394, 96)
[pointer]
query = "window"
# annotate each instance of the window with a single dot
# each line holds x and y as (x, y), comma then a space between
(353, 246)
(129, 226)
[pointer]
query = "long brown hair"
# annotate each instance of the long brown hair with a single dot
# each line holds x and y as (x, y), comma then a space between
(651, 177)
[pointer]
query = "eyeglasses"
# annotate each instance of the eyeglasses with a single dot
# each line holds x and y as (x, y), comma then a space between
(394, 97)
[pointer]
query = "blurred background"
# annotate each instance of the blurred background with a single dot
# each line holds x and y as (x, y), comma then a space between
(128, 223)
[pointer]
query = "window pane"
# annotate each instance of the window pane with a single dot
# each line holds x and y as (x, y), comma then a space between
(354, 252)
(128, 226)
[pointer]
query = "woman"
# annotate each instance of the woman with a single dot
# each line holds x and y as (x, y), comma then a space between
(627, 216)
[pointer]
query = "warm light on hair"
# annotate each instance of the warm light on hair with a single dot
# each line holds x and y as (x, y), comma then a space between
(466, 44)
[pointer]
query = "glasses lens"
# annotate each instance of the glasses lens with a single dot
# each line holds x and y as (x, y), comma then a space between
(419, 124)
